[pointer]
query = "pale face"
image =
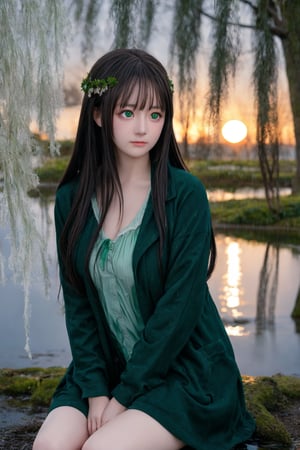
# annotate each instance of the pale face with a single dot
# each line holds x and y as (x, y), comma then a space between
(135, 131)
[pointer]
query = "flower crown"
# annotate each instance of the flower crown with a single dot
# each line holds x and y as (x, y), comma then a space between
(99, 86)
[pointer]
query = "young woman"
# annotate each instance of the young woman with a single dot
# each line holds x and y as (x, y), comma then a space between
(153, 368)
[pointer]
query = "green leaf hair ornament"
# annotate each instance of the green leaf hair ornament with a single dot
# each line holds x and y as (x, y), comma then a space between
(100, 86)
(97, 86)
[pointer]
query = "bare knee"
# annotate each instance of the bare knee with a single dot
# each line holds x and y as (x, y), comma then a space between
(43, 442)
(98, 444)
(64, 428)
(132, 430)
(47, 441)
(88, 445)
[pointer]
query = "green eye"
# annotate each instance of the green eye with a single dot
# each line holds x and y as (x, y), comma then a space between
(155, 115)
(128, 114)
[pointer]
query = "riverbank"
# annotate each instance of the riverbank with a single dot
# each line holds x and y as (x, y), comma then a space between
(25, 394)
(229, 176)
(274, 401)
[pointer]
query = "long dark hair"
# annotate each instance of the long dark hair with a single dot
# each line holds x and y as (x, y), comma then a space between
(93, 160)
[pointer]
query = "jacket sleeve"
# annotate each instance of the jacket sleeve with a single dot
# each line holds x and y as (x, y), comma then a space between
(89, 365)
(179, 308)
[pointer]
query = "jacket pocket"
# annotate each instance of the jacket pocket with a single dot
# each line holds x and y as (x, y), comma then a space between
(206, 371)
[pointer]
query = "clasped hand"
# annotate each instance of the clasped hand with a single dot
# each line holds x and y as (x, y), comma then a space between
(102, 410)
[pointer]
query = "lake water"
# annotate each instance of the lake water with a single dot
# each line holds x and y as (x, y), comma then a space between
(255, 285)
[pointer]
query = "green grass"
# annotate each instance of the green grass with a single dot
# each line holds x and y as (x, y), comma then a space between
(229, 175)
(255, 212)
(52, 169)
(34, 386)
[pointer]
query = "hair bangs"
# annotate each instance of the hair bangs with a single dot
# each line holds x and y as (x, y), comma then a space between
(148, 94)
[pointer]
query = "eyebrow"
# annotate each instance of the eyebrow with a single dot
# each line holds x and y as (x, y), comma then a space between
(134, 105)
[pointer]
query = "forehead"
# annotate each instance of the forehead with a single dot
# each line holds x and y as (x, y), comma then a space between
(142, 94)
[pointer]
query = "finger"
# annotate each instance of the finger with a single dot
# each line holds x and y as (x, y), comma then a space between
(106, 416)
(104, 421)
(92, 426)
(98, 423)
(89, 425)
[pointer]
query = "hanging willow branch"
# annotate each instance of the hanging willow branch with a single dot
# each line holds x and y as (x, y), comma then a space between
(87, 13)
(224, 56)
(132, 19)
(30, 89)
(123, 14)
(147, 14)
(265, 88)
(185, 42)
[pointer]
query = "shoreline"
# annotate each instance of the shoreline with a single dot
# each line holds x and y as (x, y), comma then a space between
(274, 402)
(250, 214)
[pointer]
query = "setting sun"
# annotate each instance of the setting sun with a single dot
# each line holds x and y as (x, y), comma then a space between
(234, 131)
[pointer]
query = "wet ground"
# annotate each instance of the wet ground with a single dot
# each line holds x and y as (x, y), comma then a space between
(18, 425)
(18, 437)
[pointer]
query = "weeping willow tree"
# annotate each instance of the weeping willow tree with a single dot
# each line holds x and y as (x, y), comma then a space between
(32, 41)
(273, 22)
(30, 91)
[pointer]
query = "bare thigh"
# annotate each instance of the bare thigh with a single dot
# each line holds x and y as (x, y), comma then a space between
(133, 430)
(64, 428)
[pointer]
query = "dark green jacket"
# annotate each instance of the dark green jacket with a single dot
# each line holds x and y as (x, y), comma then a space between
(182, 371)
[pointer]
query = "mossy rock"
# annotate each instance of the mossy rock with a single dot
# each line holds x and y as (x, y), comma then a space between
(34, 385)
(16, 385)
(265, 398)
(44, 391)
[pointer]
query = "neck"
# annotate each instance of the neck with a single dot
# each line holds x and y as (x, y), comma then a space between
(134, 169)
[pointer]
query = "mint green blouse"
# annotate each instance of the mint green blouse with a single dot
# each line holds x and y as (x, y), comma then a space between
(111, 271)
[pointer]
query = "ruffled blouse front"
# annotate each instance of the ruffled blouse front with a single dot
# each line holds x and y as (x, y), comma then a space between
(111, 271)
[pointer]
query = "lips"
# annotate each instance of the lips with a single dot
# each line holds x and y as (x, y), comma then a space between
(139, 143)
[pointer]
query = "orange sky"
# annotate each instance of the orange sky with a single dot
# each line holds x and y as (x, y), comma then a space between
(239, 104)
(68, 119)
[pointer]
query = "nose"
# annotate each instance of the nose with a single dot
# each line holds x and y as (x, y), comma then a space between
(141, 123)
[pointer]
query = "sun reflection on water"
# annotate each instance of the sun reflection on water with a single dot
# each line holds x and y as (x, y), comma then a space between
(237, 330)
(232, 291)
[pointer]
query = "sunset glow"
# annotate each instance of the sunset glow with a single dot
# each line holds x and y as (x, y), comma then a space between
(234, 131)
